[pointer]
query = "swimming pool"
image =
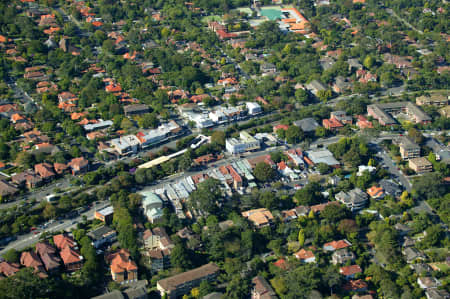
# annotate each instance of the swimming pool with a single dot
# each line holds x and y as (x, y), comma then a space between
(271, 13)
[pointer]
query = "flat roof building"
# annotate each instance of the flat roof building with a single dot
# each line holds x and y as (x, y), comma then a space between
(420, 165)
(245, 143)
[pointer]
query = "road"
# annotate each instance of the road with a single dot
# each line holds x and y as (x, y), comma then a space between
(24, 241)
(392, 13)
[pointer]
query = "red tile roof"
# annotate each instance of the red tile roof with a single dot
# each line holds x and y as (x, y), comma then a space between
(9, 269)
(70, 256)
(304, 254)
(338, 244)
(61, 241)
(45, 170)
(122, 262)
(350, 270)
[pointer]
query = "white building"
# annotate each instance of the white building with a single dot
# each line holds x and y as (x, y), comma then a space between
(126, 144)
(218, 116)
(201, 121)
(159, 134)
(253, 108)
(245, 143)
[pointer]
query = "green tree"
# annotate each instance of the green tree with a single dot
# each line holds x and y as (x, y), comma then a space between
(264, 172)
(148, 120)
(301, 237)
(324, 95)
(179, 257)
(294, 134)
(206, 196)
(368, 61)
(218, 137)
(12, 256)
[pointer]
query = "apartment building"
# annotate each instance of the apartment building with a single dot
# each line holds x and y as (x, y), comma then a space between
(180, 284)
(408, 149)
(420, 165)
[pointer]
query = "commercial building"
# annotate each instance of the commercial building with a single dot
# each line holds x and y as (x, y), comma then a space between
(105, 214)
(253, 108)
(385, 113)
(126, 144)
(159, 134)
(322, 156)
(408, 149)
(420, 165)
(180, 284)
(245, 143)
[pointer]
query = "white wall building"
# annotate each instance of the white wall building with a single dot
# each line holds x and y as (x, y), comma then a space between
(244, 143)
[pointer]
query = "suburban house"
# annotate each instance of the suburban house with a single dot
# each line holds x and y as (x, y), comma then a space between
(342, 256)
(262, 289)
(9, 269)
(7, 189)
(45, 171)
(49, 256)
(428, 282)
(180, 284)
(259, 217)
(78, 165)
(63, 240)
(30, 259)
(123, 269)
(315, 86)
(335, 245)
(354, 200)
(102, 235)
(72, 260)
(375, 192)
(136, 109)
(358, 285)
(28, 179)
(306, 256)
(349, 272)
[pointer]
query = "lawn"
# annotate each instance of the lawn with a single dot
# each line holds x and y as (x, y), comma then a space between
(212, 18)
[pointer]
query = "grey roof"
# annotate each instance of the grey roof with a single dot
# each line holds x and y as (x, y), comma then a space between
(214, 295)
(133, 293)
(390, 187)
(98, 233)
(322, 156)
(407, 143)
(111, 295)
(307, 124)
(316, 85)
